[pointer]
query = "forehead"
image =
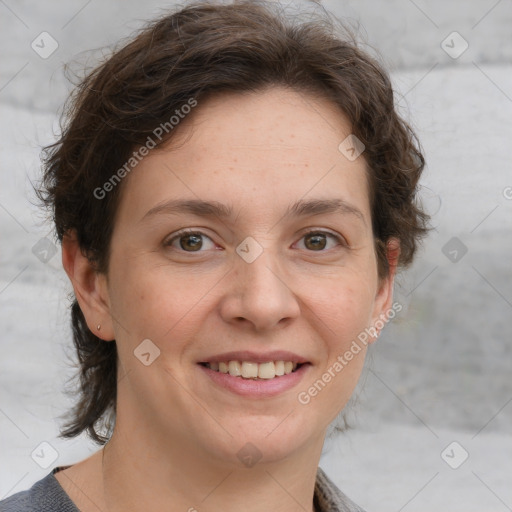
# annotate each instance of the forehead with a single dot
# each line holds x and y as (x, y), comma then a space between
(258, 151)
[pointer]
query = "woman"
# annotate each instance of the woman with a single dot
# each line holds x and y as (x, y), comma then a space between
(234, 192)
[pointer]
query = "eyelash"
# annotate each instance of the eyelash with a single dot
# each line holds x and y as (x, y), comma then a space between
(168, 243)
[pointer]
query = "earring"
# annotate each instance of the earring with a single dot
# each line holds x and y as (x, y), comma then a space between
(98, 327)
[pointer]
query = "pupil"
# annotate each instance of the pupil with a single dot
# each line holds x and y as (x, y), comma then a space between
(195, 245)
(317, 238)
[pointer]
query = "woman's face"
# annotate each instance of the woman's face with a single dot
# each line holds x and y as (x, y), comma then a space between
(280, 277)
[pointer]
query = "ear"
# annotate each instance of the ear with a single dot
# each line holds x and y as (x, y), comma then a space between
(90, 287)
(384, 296)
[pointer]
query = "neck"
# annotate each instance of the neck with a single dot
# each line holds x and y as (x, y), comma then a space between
(157, 476)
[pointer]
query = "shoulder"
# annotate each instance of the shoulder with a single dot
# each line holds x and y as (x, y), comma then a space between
(46, 495)
(329, 498)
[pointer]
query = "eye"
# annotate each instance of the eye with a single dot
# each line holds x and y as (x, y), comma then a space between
(318, 240)
(188, 241)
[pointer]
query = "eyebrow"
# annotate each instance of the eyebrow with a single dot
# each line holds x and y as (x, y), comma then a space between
(300, 208)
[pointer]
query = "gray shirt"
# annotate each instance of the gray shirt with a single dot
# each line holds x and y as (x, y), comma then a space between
(47, 495)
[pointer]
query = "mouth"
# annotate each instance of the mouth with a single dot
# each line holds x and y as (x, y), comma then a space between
(255, 375)
(253, 370)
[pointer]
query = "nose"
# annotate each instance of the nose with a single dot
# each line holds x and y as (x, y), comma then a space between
(259, 295)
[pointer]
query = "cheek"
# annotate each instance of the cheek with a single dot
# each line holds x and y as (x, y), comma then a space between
(343, 311)
(343, 303)
(150, 303)
(350, 318)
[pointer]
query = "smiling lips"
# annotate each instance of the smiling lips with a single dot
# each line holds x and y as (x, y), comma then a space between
(253, 370)
(255, 375)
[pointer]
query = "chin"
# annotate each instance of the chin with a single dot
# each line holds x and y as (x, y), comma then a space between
(267, 439)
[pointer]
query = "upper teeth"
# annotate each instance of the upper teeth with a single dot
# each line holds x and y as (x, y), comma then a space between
(250, 370)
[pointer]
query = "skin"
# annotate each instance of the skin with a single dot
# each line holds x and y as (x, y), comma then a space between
(177, 434)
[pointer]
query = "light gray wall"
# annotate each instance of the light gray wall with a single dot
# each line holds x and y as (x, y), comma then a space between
(407, 33)
(445, 362)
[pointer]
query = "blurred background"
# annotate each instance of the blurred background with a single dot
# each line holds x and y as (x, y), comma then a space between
(431, 419)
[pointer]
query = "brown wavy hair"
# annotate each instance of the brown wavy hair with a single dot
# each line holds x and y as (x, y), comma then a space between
(202, 49)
